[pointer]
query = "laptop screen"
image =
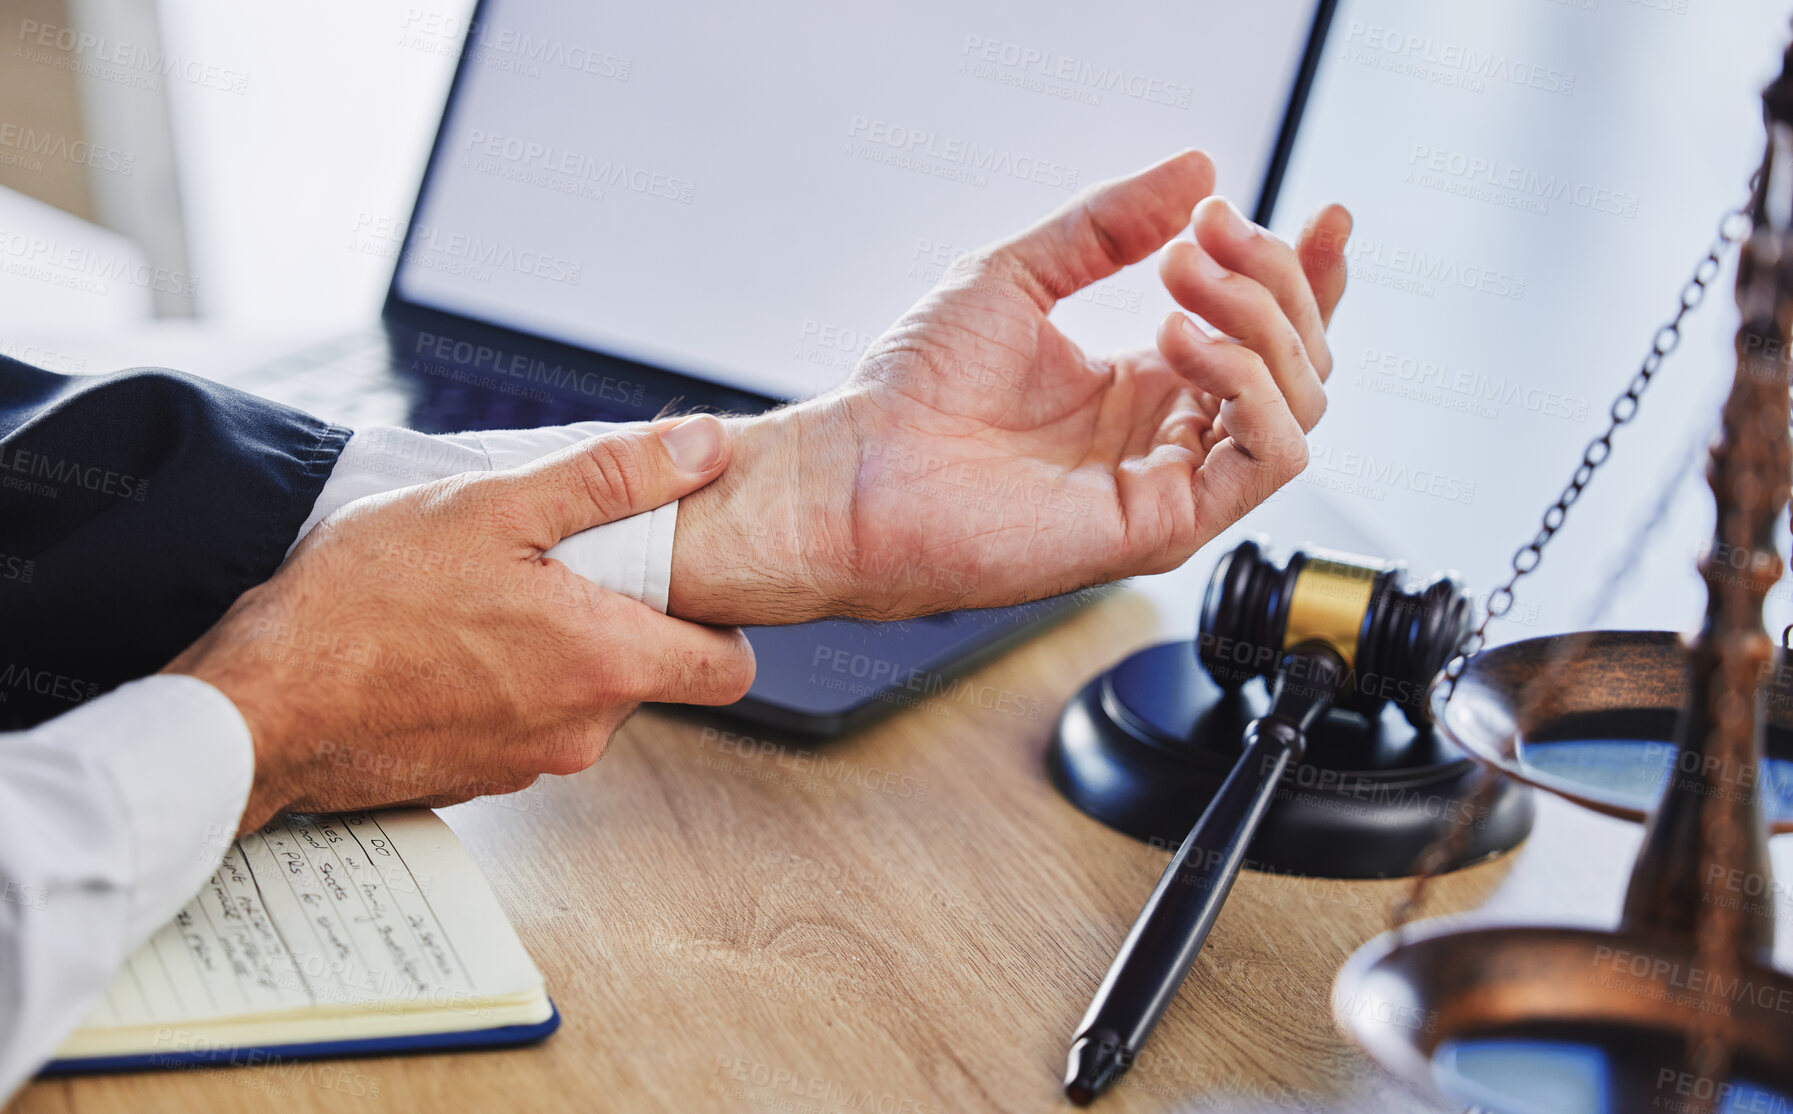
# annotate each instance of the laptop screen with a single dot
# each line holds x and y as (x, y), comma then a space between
(752, 197)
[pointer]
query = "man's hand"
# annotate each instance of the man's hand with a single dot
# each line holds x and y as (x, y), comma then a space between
(418, 647)
(978, 457)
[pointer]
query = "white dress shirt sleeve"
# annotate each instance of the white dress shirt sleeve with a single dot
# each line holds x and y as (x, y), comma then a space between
(112, 816)
(632, 556)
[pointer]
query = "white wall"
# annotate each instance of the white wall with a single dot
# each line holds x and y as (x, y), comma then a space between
(330, 134)
(1662, 114)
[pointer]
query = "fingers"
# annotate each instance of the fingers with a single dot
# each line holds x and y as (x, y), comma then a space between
(1321, 248)
(615, 476)
(1264, 447)
(1243, 308)
(676, 662)
(1106, 228)
(1243, 247)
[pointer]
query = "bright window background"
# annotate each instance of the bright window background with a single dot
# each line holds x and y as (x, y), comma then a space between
(1498, 303)
(330, 139)
(1452, 270)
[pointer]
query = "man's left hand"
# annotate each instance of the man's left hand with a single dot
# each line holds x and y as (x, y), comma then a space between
(978, 457)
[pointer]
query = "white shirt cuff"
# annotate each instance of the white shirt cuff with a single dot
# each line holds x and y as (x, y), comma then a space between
(632, 556)
(180, 760)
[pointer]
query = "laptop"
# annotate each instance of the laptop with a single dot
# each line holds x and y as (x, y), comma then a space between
(630, 209)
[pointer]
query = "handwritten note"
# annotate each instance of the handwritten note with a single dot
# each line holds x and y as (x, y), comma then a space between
(307, 912)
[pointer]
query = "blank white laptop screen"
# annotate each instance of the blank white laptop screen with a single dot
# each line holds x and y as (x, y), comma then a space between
(750, 193)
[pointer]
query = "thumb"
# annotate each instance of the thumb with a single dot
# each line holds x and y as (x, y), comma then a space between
(625, 473)
(1109, 226)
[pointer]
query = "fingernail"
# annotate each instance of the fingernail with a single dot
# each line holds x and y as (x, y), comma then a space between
(695, 444)
(1240, 223)
(1320, 234)
(1209, 266)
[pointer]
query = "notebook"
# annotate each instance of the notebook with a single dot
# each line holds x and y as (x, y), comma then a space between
(367, 932)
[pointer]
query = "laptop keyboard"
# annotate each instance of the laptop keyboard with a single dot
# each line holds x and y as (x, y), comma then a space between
(350, 380)
(347, 380)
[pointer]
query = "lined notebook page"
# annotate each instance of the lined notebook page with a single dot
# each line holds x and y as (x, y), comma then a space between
(334, 913)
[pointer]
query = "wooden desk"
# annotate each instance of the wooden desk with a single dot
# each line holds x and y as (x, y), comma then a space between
(910, 920)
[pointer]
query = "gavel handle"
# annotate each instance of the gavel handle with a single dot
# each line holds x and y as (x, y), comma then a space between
(1156, 956)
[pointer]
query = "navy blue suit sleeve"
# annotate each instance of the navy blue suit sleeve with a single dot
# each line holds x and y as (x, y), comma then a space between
(134, 509)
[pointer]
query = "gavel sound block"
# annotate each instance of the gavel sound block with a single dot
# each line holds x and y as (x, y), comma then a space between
(1362, 788)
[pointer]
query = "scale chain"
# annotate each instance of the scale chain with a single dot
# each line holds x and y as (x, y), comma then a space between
(1733, 227)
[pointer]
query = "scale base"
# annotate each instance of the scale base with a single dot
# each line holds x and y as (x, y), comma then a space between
(1145, 746)
(1564, 1019)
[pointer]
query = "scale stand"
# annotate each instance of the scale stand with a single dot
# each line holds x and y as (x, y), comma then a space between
(1679, 1007)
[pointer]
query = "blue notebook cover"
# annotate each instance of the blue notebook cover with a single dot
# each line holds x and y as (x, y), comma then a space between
(503, 1036)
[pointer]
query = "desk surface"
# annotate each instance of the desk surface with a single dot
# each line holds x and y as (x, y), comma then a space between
(909, 920)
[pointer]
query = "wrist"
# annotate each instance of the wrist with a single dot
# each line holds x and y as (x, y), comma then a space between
(247, 678)
(771, 539)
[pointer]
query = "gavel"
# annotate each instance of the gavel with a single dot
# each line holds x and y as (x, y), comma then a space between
(1326, 630)
(1338, 611)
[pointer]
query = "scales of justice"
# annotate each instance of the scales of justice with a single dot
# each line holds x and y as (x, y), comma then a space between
(1384, 696)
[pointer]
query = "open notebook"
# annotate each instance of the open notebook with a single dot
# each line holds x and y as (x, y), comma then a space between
(323, 936)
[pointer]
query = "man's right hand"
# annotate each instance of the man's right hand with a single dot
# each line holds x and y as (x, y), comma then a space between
(417, 647)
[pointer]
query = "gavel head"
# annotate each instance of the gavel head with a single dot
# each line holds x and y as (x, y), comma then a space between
(1393, 641)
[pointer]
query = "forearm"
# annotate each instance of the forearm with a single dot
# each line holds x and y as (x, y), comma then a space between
(111, 816)
(137, 507)
(771, 540)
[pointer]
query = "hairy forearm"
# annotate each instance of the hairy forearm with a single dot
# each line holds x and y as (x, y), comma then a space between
(771, 539)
